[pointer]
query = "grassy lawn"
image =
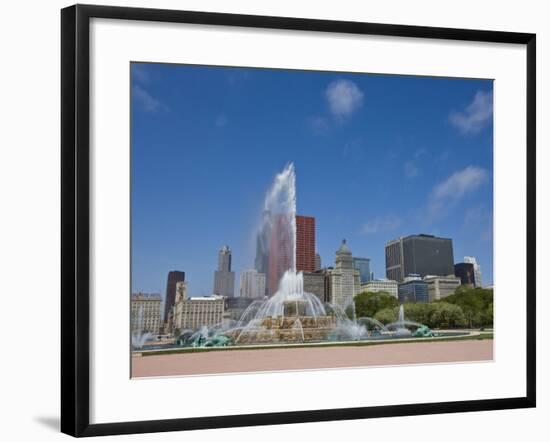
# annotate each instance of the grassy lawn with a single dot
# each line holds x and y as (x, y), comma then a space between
(481, 336)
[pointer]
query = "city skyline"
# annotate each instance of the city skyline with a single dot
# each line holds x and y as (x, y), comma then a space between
(457, 270)
(431, 174)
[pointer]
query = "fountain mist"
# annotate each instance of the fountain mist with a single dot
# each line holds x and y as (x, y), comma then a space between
(276, 237)
(139, 337)
(280, 202)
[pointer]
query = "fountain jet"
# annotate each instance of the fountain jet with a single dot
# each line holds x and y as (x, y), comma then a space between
(276, 237)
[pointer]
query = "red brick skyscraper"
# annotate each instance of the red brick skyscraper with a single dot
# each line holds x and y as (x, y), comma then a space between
(280, 252)
(305, 243)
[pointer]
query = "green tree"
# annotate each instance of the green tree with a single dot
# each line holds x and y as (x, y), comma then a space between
(467, 307)
(434, 314)
(446, 315)
(369, 303)
(488, 319)
(386, 315)
(476, 303)
(420, 312)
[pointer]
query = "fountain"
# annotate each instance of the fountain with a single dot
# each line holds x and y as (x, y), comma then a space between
(204, 337)
(291, 315)
(140, 338)
(400, 326)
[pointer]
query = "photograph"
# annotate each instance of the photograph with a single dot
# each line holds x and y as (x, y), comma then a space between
(297, 220)
(275, 220)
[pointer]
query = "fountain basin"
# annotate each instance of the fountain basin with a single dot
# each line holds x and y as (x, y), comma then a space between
(287, 329)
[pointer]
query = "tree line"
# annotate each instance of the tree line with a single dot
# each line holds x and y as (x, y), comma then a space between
(466, 308)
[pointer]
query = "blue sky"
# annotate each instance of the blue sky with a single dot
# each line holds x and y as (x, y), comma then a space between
(376, 157)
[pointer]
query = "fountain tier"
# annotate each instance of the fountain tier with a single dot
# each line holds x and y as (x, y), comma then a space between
(291, 315)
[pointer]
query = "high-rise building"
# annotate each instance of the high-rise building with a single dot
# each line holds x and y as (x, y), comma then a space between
(224, 278)
(252, 284)
(465, 271)
(317, 262)
(440, 287)
(281, 253)
(305, 243)
(363, 265)
(224, 259)
(145, 312)
(419, 254)
(261, 262)
(345, 280)
(174, 277)
(413, 289)
(477, 270)
(193, 313)
(381, 285)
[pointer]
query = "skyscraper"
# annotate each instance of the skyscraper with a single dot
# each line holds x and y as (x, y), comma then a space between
(280, 251)
(477, 270)
(419, 254)
(305, 243)
(252, 284)
(345, 280)
(224, 278)
(363, 265)
(174, 277)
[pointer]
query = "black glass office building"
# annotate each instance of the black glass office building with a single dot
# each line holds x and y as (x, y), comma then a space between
(419, 254)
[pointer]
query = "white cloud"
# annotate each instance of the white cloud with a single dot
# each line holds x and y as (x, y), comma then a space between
(380, 224)
(449, 192)
(460, 183)
(146, 101)
(344, 98)
(476, 115)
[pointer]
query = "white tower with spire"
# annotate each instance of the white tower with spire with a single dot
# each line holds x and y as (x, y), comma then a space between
(345, 279)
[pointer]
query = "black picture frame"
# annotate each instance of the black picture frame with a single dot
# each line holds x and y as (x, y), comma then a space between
(75, 211)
